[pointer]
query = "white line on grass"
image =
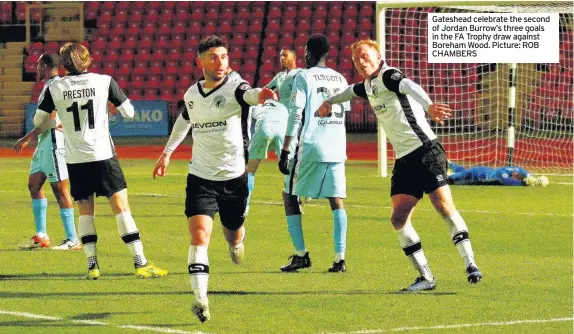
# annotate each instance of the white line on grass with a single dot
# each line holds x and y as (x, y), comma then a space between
(369, 207)
(157, 329)
(99, 323)
(422, 328)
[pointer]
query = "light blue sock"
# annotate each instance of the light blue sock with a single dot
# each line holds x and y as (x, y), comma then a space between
(39, 207)
(250, 186)
(67, 216)
(296, 232)
(340, 230)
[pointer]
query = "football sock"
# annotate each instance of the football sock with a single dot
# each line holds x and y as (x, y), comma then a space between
(411, 244)
(89, 238)
(340, 233)
(39, 207)
(67, 215)
(296, 232)
(459, 234)
(131, 237)
(198, 267)
(250, 186)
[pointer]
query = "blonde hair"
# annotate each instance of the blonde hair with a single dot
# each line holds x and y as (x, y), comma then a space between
(75, 57)
(368, 42)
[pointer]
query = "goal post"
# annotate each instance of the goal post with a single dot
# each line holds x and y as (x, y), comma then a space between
(504, 113)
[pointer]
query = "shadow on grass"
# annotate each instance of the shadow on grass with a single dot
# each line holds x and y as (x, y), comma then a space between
(40, 323)
(5, 294)
(59, 276)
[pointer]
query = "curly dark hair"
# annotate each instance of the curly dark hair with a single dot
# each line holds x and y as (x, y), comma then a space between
(209, 42)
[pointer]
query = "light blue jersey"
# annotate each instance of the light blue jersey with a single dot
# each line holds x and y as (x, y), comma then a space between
(320, 139)
(270, 123)
(50, 139)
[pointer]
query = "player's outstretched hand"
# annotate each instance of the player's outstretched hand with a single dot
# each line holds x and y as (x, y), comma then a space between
(284, 162)
(160, 168)
(325, 109)
(266, 94)
(438, 112)
(20, 144)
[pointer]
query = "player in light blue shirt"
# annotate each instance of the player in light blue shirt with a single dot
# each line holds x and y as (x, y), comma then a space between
(270, 119)
(48, 163)
(502, 176)
(317, 169)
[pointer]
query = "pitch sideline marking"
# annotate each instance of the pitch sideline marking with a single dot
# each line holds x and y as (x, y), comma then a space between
(421, 328)
(98, 323)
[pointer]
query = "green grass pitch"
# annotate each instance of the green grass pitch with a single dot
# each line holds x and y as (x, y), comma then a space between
(522, 239)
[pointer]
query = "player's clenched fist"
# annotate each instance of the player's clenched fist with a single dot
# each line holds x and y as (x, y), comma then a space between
(160, 168)
(267, 94)
(325, 109)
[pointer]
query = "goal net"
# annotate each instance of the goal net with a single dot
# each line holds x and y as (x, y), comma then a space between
(536, 134)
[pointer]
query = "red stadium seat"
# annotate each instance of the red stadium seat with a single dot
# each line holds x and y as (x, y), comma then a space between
(255, 25)
(243, 13)
(305, 10)
(319, 11)
(52, 47)
(335, 9)
(258, 12)
(273, 25)
(303, 24)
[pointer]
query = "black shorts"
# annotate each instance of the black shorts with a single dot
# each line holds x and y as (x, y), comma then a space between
(423, 170)
(104, 178)
(206, 197)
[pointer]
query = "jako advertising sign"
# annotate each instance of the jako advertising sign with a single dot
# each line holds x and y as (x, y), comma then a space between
(150, 119)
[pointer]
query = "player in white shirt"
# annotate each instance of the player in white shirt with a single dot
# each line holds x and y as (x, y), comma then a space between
(217, 112)
(81, 100)
(317, 169)
(421, 165)
(48, 163)
(271, 119)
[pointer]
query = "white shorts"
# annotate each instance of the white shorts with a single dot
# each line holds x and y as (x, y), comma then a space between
(50, 162)
(317, 180)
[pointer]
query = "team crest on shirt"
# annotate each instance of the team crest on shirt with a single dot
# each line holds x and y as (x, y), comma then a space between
(190, 104)
(397, 76)
(220, 102)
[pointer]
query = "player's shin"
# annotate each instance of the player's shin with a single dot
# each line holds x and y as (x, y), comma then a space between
(131, 237)
(412, 246)
(340, 233)
(459, 234)
(89, 238)
(198, 268)
(67, 215)
(250, 187)
(296, 232)
(39, 207)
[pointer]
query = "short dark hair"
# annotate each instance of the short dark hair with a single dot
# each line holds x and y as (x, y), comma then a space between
(51, 60)
(318, 46)
(209, 42)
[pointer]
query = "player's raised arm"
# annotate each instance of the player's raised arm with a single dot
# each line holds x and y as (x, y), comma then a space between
(246, 95)
(178, 132)
(396, 82)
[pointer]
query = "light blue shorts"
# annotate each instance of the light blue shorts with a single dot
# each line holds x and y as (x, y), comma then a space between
(267, 137)
(317, 180)
(50, 162)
